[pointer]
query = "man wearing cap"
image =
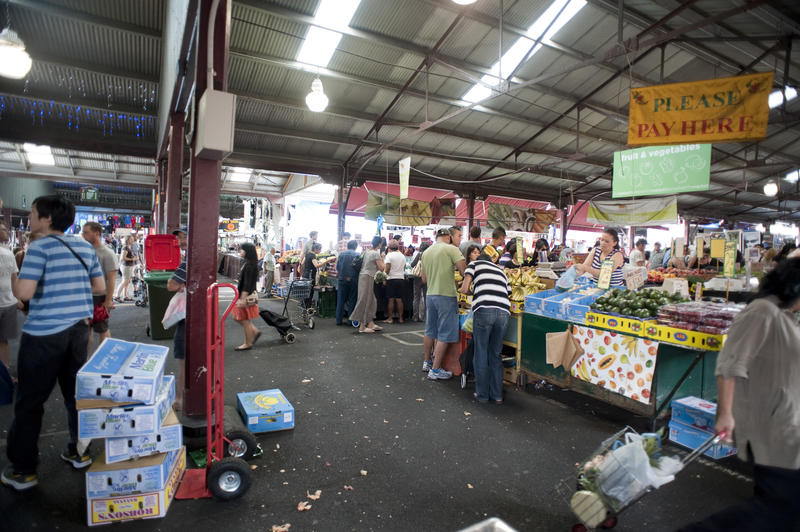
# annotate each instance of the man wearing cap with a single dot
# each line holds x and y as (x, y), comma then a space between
(93, 233)
(177, 283)
(441, 317)
(637, 257)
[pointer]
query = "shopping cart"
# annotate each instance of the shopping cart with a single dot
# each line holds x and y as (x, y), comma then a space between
(587, 497)
(299, 293)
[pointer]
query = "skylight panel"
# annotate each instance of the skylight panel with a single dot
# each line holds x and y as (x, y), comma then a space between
(241, 175)
(792, 176)
(556, 16)
(39, 155)
(776, 98)
(322, 39)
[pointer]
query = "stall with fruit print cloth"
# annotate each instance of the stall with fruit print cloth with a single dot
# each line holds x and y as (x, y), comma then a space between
(635, 361)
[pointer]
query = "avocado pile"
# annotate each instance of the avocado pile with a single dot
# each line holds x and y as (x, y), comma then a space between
(642, 304)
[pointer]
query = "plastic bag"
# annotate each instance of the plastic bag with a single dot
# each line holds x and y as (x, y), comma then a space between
(567, 280)
(176, 310)
(467, 325)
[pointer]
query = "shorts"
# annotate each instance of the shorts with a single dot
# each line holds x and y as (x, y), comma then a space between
(441, 318)
(179, 341)
(394, 288)
(99, 326)
(245, 313)
(9, 323)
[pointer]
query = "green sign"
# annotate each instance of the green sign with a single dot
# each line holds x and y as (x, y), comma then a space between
(660, 170)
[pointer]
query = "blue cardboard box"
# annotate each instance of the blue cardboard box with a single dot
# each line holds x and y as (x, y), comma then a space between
(123, 372)
(692, 438)
(265, 411)
(695, 412)
(106, 419)
(131, 476)
(169, 438)
(534, 303)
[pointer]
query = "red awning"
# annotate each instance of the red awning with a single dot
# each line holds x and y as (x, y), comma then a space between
(482, 207)
(358, 197)
(579, 222)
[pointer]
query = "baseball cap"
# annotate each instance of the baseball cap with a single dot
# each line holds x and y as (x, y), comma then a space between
(443, 232)
(183, 229)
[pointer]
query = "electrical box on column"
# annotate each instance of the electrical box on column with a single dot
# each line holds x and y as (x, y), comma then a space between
(216, 116)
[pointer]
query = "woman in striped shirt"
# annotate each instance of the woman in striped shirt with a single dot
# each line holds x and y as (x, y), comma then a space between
(491, 309)
(608, 249)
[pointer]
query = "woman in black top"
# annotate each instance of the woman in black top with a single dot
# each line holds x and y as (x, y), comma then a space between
(243, 312)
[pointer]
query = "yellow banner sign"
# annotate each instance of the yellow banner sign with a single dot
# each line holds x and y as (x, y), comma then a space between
(716, 110)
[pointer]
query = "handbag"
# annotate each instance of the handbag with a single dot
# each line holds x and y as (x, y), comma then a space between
(251, 299)
(416, 271)
(100, 314)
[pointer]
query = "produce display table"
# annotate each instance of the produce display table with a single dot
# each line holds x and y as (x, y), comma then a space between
(408, 299)
(665, 371)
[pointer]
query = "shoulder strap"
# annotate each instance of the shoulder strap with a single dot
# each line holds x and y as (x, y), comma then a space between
(73, 252)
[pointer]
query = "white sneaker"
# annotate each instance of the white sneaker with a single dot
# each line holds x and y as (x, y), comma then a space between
(440, 374)
(427, 365)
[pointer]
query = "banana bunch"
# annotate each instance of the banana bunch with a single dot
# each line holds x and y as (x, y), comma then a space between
(526, 278)
(458, 276)
(517, 294)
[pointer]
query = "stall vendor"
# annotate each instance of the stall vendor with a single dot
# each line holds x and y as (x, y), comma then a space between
(608, 249)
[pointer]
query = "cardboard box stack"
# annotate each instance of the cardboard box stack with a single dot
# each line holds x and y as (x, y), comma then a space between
(692, 424)
(124, 398)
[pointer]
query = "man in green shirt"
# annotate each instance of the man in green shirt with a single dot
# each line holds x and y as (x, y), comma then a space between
(441, 317)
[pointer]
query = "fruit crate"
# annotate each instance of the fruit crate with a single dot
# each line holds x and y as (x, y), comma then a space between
(684, 338)
(626, 324)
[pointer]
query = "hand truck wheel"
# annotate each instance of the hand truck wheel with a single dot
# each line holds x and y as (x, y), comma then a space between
(229, 478)
(289, 338)
(310, 323)
(243, 444)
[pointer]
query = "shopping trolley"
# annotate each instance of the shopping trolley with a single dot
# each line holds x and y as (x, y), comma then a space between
(299, 293)
(586, 490)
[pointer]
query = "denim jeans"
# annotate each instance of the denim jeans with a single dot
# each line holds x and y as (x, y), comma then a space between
(488, 329)
(441, 318)
(43, 361)
(346, 292)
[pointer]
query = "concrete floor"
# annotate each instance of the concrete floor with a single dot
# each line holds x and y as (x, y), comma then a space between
(435, 459)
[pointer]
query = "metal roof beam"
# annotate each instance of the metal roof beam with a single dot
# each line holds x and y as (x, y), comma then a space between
(85, 18)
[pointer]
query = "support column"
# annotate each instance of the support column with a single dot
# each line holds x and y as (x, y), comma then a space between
(204, 189)
(160, 197)
(470, 212)
(342, 209)
(562, 221)
(173, 185)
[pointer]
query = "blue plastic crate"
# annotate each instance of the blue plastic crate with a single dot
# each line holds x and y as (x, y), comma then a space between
(692, 438)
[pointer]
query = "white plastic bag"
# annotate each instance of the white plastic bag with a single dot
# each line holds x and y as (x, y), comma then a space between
(176, 310)
(567, 280)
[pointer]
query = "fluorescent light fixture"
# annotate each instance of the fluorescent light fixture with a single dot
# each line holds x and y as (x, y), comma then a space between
(15, 63)
(771, 188)
(522, 47)
(464, 2)
(40, 155)
(240, 175)
(322, 39)
(776, 98)
(792, 176)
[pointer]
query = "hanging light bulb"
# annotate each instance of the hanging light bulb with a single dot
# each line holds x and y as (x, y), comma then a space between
(316, 99)
(14, 60)
(771, 188)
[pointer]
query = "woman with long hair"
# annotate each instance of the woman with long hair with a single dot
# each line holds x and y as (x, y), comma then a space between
(245, 311)
(758, 384)
(607, 249)
(127, 262)
(366, 304)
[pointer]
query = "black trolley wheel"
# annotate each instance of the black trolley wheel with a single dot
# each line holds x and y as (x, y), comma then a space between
(289, 338)
(229, 478)
(243, 444)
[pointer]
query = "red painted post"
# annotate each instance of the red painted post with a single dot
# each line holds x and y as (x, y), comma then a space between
(173, 185)
(204, 189)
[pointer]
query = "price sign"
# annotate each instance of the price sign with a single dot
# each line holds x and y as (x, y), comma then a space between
(520, 251)
(606, 269)
(717, 248)
(634, 278)
(729, 265)
(699, 245)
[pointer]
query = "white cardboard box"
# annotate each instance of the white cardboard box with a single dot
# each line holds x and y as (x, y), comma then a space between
(104, 510)
(122, 372)
(131, 476)
(106, 419)
(169, 438)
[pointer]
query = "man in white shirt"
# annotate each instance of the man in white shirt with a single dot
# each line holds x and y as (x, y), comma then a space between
(395, 268)
(637, 257)
(9, 319)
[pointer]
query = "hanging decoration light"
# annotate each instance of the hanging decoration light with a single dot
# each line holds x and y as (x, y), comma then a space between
(316, 99)
(771, 188)
(15, 62)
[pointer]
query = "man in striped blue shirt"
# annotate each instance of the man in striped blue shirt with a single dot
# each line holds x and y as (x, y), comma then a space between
(57, 277)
